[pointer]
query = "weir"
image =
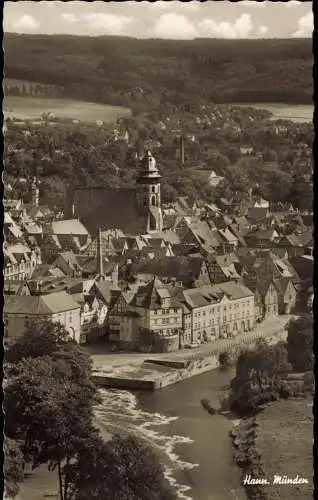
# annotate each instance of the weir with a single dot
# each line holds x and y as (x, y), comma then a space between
(157, 373)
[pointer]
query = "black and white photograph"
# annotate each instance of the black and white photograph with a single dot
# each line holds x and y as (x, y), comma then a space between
(158, 250)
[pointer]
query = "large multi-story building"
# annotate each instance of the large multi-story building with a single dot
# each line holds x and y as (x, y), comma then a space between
(220, 311)
(59, 307)
(19, 261)
(149, 320)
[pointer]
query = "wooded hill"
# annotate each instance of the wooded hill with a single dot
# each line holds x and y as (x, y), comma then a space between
(145, 74)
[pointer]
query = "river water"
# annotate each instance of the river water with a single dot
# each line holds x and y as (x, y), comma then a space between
(194, 446)
(294, 112)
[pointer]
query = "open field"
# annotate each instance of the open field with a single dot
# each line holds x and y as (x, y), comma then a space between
(285, 443)
(32, 107)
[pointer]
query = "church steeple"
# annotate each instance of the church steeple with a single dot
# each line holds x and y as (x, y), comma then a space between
(148, 191)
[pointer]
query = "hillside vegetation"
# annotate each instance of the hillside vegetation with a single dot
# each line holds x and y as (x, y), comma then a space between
(145, 74)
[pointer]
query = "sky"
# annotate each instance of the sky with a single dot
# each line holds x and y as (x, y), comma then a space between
(162, 19)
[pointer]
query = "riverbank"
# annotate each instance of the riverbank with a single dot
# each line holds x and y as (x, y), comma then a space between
(276, 442)
(294, 112)
(32, 107)
(137, 372)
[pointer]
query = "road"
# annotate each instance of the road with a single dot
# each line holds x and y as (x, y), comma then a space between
(107, 360)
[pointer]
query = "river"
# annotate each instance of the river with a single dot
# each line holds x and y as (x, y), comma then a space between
(195, 447)
(283, 111)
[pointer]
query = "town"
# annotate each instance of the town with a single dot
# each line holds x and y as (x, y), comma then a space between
(158, 250)
(121, 266)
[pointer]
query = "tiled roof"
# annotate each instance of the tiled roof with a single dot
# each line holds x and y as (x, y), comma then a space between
(181, 268)
(228, 235)
(232, 290)
(39, 305)
(15, 287)
(281, 284)
(204, 235)
(59, 301)
(203, 296)
(149, 296)
(68, 227)
(118, 210)
(258, 213)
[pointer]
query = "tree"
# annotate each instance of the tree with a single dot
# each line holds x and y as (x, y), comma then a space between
(300, 343)
(124, 468)
(224, 360)
(50, 411)
(301, 194)
(39, 339)
(257, 371)
(13, 467)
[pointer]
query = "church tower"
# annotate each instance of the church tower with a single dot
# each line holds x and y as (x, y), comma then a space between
(148, 192)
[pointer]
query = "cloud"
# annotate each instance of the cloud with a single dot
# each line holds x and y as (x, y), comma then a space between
(305, 26)
(241, 28)
(262, 30)
(107, 23)
(174, 26)
(292, 3)
(69, 18)
(25, 24)
(192, 6)
(251, 3)
(160, 5)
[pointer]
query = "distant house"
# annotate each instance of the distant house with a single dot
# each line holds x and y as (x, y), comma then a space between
(224, 205)
(59, 307)
(222, 268)
(261, 203)
(200, 234)
(267, 292)
(93, 317)
(246, 150)
(210, 177)
(191, 271)
(18, 287)
(19, 261)
(287, 295)
(64, 235)
(121, 135)
(258, 214)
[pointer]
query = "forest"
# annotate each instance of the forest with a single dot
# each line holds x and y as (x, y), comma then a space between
(87, 155)
(144, 74)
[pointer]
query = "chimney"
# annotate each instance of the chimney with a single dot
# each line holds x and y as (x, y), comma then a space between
(35, 192)
(115, 276)
(99, 253)
(181, 150)
(69, 203)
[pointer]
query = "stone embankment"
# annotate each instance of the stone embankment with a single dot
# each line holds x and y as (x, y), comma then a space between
(158, 372)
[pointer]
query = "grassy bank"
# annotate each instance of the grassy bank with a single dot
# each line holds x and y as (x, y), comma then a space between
(277, 441)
